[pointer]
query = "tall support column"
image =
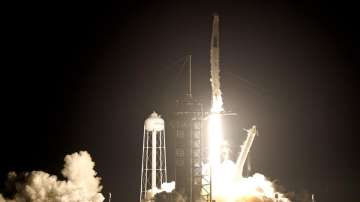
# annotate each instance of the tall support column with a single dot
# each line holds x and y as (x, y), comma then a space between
(153, 162)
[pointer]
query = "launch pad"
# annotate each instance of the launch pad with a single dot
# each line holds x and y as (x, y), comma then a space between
(200, 173)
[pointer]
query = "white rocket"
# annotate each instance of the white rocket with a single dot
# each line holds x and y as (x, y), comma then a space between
(217, 103)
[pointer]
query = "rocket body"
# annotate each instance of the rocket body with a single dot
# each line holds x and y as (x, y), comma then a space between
(217, 103)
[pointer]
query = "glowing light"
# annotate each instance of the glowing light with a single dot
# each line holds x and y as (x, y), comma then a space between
(217, 105)
(215, 139)
(225, 186)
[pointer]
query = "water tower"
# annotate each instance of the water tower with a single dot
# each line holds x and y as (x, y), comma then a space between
(153, 171)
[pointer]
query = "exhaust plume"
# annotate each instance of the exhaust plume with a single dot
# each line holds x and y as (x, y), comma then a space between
(81, 184)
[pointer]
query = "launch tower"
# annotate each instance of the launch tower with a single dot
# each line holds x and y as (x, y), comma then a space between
(189, 147)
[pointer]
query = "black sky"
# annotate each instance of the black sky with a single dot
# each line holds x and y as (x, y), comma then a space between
(84, 76)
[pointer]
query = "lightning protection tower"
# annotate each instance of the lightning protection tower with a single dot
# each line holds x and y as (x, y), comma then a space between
(153, 171)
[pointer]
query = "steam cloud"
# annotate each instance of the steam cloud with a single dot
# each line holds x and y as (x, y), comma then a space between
(81, 184)
(255, 188)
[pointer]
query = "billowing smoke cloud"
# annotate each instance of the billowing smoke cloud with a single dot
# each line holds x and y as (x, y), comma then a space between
(255, 188)
(81, 184)
(169, 196)
(166, 188)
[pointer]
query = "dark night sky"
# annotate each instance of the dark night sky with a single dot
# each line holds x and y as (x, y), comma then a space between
(85, 75)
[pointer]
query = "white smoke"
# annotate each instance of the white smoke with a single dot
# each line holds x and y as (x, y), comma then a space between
(227, 181)
(81, 184)
(166, 187)
(228, 188)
